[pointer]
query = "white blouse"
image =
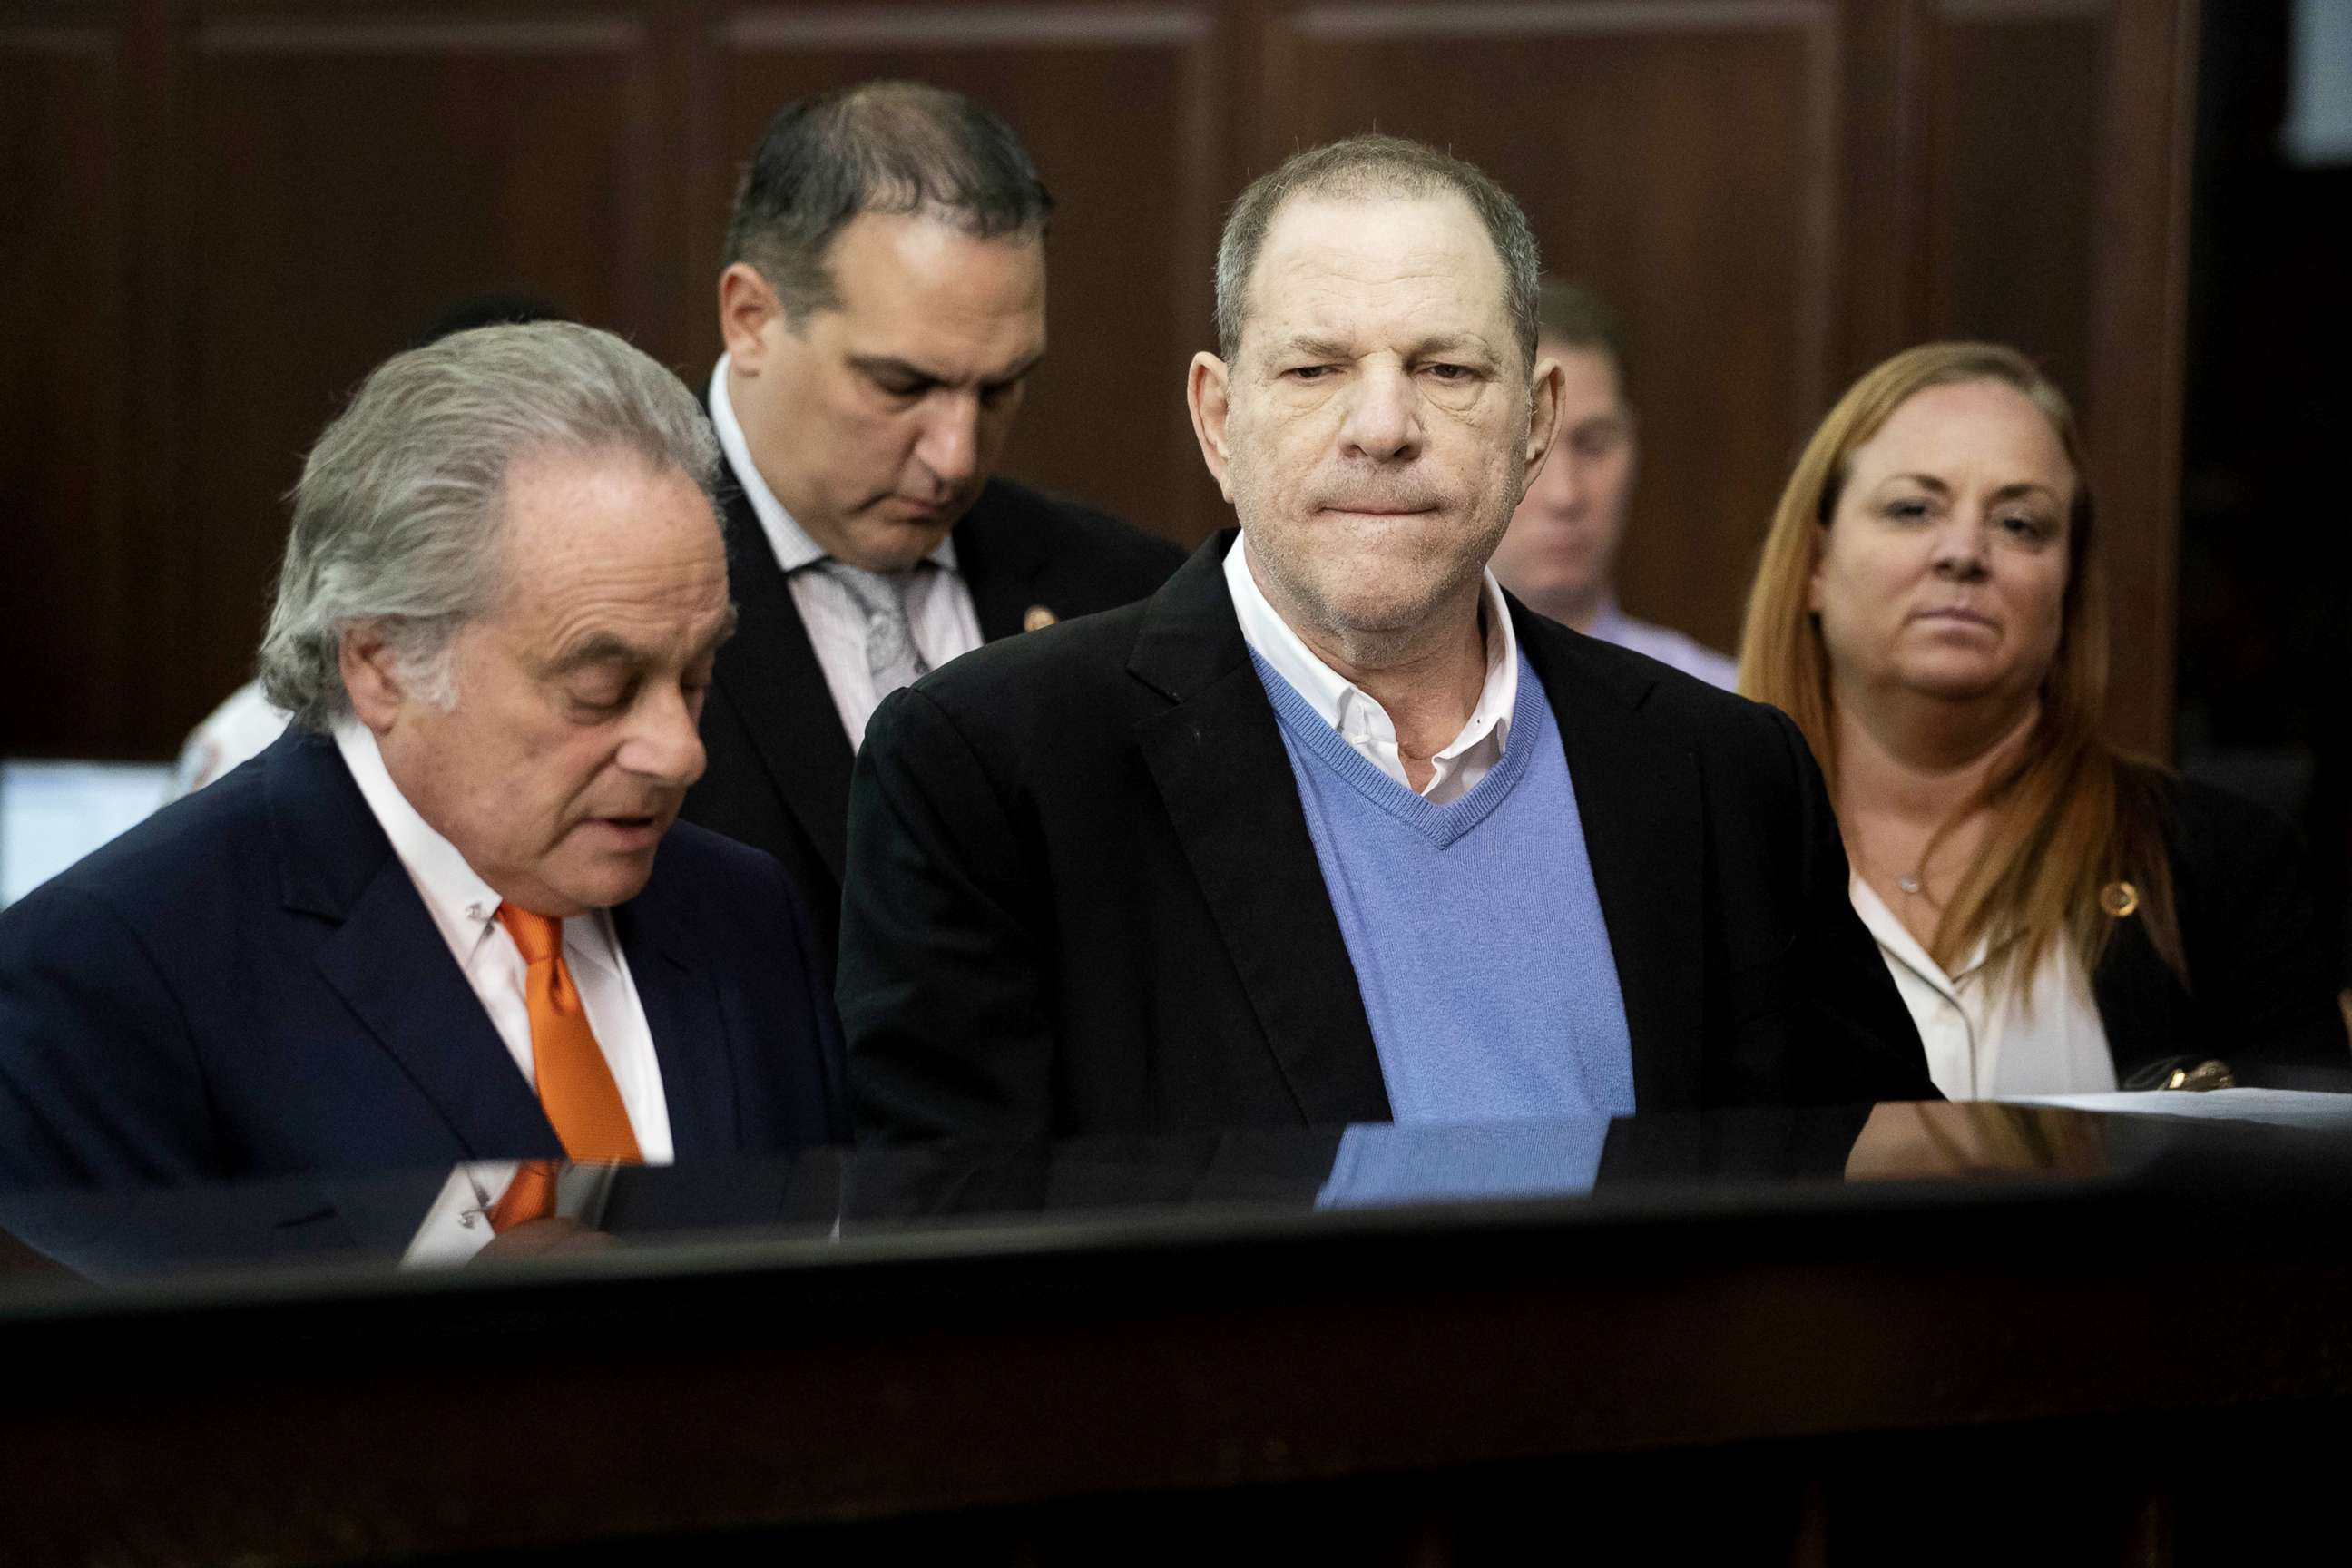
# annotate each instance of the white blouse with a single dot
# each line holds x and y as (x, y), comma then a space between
(2042, 1038)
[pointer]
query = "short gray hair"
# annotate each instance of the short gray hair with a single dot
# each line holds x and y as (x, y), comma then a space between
(399, 514)
(1358, 169)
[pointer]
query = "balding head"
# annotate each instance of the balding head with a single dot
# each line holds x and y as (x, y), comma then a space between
(1369, 168)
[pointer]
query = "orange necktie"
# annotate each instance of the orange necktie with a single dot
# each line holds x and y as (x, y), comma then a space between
(575, 1086)
(530, 1196)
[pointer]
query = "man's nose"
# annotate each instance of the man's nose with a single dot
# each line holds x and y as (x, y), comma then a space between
(1383, 419)
(1561, 483)
(949, 446)
(664, 743)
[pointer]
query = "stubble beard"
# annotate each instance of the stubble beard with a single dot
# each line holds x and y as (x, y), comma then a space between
(1313, 593)
(1389, 630)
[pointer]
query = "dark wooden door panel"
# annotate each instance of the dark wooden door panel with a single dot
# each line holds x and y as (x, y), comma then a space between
(71, 637)
(353, 179)
(2012, 163)
(225, 211)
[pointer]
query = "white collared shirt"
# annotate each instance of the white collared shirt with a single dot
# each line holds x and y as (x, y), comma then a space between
(1361, 721)
(941, 615)
(2042, 1037)
(464, 909)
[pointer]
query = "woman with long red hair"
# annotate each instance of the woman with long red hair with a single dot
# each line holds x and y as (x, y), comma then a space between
(2059, 916)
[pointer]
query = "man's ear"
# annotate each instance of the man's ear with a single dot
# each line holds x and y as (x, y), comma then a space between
(1543, 419)
(371, 675)
(1207, 388)
(747, 306)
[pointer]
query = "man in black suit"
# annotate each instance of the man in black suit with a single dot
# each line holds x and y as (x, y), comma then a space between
(1329, 829)
(883, 306)
(445, 917)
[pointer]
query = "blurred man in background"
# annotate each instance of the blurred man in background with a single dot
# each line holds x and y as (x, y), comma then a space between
(1560, 554)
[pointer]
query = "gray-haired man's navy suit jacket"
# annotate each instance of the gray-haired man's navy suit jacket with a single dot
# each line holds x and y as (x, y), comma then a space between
(248, 984)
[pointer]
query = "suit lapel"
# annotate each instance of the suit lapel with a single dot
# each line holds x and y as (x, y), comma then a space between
(1000, 561)
(1216, 756)
(393, 970)
(386, 960)
(769, 674)
(1639, 800)
(691, 1041)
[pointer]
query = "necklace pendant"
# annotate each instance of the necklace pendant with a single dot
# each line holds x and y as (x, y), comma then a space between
(1908, 884)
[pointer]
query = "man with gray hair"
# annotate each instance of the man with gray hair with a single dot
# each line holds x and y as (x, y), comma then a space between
(883, 306)
(447, 917)
(1330, 829)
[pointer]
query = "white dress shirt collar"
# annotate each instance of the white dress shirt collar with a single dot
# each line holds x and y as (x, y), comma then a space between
(1358, 718)
(794, 549)
(463, 906)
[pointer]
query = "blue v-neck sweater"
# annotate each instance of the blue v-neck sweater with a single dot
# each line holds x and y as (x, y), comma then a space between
(1474, 926)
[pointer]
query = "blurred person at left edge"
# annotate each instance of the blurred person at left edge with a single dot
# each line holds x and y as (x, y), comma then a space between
(449, 915)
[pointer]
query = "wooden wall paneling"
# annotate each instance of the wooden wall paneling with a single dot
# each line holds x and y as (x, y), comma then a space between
(1874, 248)
(1679, 156)
(2138, 351)
(654, 133)
(704, 179)
(68, 446)
(230, 209)
(1120, 107)
(2054, 173)
(2016, 92)
(358, 172)
(167, 642)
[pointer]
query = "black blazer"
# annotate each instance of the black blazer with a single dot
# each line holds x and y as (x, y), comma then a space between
(248, 984)
(2262, 992)
(777, 777)
(1083, 897)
